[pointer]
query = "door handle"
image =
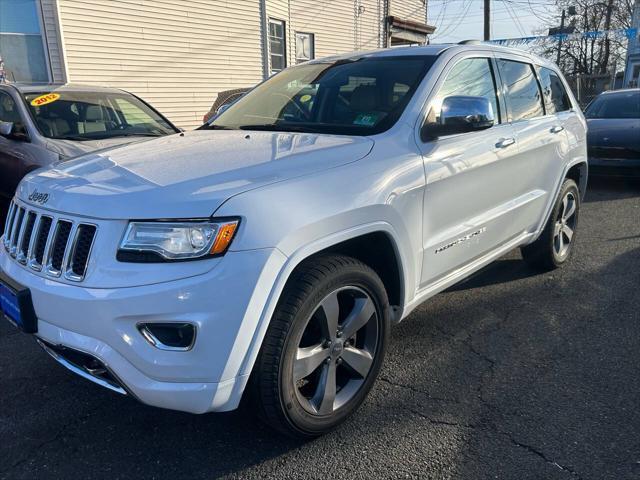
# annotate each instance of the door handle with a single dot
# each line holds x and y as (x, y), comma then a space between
(557, 129)
(505, 142)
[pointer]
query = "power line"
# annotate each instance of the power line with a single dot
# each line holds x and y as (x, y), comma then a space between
(452, 27)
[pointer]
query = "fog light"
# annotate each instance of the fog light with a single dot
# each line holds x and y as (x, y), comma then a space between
(169, 336)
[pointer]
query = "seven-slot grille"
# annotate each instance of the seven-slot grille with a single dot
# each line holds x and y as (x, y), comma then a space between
(55, 246)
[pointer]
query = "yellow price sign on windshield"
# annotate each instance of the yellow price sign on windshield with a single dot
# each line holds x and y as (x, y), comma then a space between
(44, 99)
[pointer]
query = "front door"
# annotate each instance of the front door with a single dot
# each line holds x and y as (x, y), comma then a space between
(475, 182)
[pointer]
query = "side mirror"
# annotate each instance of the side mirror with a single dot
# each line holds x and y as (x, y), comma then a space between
(14, 131)
(5, 128)
(460, 114)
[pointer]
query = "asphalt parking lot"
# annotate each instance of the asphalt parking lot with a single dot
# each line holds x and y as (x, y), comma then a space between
(513, 374)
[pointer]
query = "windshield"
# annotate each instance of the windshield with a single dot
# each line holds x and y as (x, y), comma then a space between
(617, 105)
(351, 97)
(79, 115)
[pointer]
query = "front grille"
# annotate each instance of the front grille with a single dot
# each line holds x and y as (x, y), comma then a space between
(83, 243)
(56, 246)
(59, 246)
(41, 240)
(23, 246)
(16, 231)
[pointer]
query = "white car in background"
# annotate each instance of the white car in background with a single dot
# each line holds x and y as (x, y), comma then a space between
(268, 252)
(44, 123)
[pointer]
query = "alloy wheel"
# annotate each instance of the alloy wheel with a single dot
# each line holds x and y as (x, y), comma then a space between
(336, 350)
(564, 227)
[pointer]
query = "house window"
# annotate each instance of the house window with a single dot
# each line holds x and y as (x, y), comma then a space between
(305, 47)
(21, 42)
(277, 49)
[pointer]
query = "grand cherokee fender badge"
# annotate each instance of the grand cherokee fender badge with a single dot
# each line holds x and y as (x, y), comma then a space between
(461, 240)
(38, 197)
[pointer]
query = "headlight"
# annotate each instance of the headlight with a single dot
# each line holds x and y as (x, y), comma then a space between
(158, 241)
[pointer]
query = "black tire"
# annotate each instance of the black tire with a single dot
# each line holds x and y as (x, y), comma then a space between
(281, 400)
(545, 253)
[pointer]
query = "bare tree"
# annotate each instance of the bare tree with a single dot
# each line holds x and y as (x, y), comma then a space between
(593, 54)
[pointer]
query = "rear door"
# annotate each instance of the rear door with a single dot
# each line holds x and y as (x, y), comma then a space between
(540, 132)
(559, 104)
(474, 181)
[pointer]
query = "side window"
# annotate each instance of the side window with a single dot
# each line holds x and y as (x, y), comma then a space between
(132, 114)
(8, 109)
(555, 96)
(523, 91)
(473, 77)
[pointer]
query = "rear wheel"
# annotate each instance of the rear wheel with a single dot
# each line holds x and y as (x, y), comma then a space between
(555, 245)
(324, 346)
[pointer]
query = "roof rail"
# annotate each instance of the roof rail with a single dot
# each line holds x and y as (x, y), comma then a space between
(470, 42)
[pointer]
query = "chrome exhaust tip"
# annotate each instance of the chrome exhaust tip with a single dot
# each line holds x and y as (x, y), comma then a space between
(85, 365)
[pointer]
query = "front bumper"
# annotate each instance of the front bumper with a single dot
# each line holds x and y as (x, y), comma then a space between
(225, 304)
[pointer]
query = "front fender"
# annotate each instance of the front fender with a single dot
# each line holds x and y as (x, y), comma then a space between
(264, 301)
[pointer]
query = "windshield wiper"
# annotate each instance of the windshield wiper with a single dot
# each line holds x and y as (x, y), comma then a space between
(133, 135)
(213, 127)
(106, 137)
(277, 127)
(72, 137)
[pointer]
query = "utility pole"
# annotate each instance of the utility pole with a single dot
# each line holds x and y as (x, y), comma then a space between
(487, 20)
(607, 25)
(560, 36)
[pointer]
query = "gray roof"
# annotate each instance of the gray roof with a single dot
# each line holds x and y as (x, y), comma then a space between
(433, 50)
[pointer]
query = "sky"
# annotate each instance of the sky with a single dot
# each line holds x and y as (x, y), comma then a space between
(457, 20)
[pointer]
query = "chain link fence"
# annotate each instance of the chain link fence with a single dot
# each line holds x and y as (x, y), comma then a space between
(587, 87)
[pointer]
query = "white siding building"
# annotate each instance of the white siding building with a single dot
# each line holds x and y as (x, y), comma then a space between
(632, 70)
(178, 54)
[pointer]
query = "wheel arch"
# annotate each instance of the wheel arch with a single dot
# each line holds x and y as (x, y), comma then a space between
(345, 242)
(579, 172)
(379, 251)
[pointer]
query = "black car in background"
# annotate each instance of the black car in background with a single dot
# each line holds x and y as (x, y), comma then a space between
(613, 137)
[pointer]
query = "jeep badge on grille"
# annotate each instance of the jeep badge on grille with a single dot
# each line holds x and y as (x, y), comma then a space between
(38, 197)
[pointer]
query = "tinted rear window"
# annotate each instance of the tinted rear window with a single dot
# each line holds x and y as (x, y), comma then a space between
(555, 96)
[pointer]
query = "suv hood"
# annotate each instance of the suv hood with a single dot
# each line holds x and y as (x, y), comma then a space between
(185, 175)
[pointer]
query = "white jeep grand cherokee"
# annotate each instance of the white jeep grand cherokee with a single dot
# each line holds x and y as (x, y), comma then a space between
(270, 250)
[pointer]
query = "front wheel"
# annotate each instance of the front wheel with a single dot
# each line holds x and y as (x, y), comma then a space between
(324, 347)
(555, 245)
